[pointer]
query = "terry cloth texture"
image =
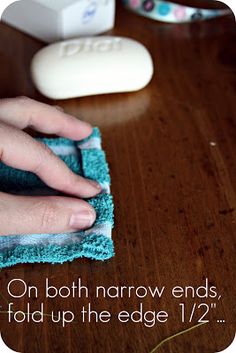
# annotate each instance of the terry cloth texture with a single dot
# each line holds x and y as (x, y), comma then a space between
(85, 158)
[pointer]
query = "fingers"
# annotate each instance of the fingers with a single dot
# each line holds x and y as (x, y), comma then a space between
(19, 150)
(23, 112)
(43, 215)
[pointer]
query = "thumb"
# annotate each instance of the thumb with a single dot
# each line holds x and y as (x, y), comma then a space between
(43, 214)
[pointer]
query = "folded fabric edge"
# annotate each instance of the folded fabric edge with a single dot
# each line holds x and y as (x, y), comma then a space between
(96, 247)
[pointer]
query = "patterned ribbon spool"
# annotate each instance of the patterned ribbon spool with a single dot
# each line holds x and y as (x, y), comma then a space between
(171, 12)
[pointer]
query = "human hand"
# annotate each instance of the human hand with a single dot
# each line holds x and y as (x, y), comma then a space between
(42, 214)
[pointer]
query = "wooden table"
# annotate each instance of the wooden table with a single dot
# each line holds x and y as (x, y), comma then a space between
(172, 154)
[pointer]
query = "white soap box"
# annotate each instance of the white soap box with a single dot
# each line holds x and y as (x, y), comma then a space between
(53, 20)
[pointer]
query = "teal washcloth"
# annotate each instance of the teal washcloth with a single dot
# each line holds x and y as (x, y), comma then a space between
(85, 158)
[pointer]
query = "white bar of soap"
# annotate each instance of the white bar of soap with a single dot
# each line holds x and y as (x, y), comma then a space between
(90, 66)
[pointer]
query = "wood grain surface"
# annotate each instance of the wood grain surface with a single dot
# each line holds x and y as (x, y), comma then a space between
(172, 154)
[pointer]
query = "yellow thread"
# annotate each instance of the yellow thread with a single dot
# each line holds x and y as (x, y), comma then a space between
(48, 315)
(176, 335)
(43, 314)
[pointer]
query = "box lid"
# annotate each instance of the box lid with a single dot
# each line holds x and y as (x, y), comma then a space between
(56, 5)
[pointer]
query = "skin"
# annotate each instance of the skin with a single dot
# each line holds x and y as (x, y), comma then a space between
(42, 214)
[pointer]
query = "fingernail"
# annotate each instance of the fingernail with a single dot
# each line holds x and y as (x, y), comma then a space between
(82, 220)
(95, 184)
(59, 108)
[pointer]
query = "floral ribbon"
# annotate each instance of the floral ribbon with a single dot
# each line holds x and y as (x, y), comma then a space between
(171, 12)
